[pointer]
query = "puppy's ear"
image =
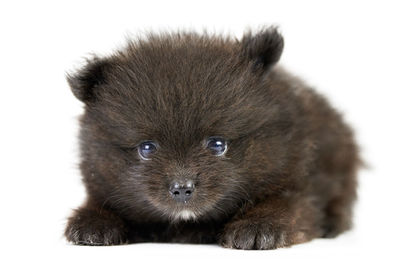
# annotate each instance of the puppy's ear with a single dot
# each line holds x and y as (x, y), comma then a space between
(83, 83)
(264, 48)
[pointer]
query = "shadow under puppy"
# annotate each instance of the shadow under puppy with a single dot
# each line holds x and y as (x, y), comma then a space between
(201, 139)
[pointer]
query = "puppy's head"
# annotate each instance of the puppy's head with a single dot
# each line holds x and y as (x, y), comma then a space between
(171, 123)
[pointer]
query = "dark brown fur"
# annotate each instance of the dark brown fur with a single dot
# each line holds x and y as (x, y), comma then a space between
(289, 172)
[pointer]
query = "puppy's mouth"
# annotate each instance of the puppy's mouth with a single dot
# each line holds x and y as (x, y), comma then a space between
(184, 208)
(184, 215)
(182, 193)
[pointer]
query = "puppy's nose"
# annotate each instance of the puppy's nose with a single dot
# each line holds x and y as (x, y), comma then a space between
(182, 191)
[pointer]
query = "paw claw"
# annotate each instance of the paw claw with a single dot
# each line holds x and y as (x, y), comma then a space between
(94, 230)
(245, 235)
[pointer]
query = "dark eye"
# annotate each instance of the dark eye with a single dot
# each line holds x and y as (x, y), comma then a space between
(217, 145)
(147, 148)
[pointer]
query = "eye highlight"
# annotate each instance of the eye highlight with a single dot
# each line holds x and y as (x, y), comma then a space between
(217, 145)
(147, 148)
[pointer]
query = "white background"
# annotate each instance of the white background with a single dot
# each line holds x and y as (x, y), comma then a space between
(349, 50)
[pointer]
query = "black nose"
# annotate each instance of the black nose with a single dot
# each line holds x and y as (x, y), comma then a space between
(182, 191)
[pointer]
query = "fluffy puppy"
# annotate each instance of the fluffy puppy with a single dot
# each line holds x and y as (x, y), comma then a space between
(202, 139)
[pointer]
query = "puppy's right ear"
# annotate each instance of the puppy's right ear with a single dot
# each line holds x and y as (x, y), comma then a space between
(264, 48)
(83, 83)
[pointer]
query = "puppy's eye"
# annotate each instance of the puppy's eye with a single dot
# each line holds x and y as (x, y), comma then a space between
(217, 145)
(147, 148)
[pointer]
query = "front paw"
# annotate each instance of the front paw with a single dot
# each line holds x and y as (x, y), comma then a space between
(246, 234)
(90, 227)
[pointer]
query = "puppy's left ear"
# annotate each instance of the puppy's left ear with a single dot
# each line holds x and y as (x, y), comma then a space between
(264, 48)
(85, 82)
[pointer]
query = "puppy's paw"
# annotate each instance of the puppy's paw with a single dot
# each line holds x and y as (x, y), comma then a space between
(87, 227)
(245, 234)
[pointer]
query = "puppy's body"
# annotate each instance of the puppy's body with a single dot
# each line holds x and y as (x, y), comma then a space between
(287, 173)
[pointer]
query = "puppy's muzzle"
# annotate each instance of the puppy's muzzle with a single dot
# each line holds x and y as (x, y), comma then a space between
(182, 191)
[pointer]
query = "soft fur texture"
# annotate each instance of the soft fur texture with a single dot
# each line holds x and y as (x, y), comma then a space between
(287, 177)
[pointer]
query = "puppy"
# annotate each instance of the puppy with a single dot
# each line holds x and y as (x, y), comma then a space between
(202, 139)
